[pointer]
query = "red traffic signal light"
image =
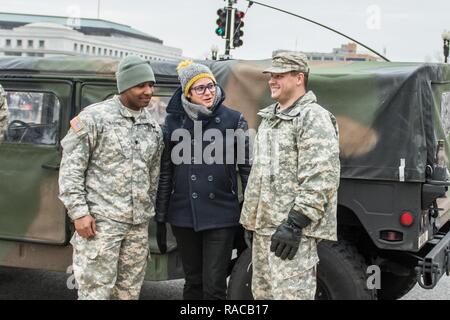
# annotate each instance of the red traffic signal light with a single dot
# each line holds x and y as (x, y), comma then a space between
(238, 25)
(239, 14)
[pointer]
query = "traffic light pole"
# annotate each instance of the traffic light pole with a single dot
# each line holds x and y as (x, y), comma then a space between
(229, 28)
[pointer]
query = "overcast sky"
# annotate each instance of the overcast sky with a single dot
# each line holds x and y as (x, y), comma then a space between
(408, 30)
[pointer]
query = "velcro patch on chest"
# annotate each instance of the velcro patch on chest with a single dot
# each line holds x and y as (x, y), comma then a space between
(76, 124)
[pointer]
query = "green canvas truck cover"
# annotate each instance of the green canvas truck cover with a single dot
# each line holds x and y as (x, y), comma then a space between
(389, 113)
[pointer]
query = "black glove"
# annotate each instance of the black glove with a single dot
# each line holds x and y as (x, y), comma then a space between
(286, 239)
(248, 237)
(161, 233)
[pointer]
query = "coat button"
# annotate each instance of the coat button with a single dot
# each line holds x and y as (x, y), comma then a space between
(212, 196)
(193, 160)
(194, 195)
(193, 177)
(210, 178)
(217, 120)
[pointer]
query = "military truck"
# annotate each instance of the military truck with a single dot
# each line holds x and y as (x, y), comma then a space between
(393, 211)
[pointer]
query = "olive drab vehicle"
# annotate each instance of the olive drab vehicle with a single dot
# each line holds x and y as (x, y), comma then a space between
(393, 204)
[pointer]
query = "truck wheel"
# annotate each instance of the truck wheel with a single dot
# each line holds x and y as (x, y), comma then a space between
(240, 284)
(394, 286)
(341, 274)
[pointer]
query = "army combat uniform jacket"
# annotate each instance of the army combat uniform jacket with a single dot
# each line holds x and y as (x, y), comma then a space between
(111, 163)
(296, 166)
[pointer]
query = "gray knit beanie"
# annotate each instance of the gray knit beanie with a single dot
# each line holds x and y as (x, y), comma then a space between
(133, 70)
(189, 72)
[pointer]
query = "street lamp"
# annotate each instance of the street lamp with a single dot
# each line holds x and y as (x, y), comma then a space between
(446, 38)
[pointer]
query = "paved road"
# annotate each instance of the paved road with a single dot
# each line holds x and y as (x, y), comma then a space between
(19, 284)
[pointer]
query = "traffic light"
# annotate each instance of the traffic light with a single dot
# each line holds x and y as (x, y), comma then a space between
(221, 22)
(238, 25)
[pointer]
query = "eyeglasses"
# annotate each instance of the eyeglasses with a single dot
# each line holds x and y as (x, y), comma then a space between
(201, 89)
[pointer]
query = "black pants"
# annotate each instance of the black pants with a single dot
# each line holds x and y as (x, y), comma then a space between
(206, 257)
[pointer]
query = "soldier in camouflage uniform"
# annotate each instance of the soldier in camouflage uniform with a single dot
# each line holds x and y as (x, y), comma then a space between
(291, 197)
(108, 180)
(3, 113)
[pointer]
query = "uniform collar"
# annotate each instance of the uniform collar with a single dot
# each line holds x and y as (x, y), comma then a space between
(270, 112)
(143, 117)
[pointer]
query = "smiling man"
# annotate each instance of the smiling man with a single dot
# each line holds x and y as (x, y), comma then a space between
(291, 196)
(108, 180)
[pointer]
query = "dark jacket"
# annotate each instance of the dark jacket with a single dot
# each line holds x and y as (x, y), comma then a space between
(201, 196)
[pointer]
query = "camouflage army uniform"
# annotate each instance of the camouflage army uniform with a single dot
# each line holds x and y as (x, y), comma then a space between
(110, 169)
(296, 166)
(3, 113)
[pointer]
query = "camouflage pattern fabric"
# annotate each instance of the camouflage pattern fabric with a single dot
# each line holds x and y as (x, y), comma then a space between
(296, 166)
(276, 279)
(3, 114)
(110, 164)
(112, 264)
(288, 61)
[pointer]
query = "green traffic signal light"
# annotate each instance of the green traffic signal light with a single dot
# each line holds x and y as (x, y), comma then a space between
(220, 31)
(221, 22)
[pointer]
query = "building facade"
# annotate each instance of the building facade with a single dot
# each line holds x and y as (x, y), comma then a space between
(45, 36)
(347, 52)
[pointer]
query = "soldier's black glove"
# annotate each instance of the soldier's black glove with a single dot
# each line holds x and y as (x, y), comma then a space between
(161, 233)
(286, 239)
(248, 237)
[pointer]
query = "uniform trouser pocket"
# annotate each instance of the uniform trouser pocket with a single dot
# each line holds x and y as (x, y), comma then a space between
(94, 267)
(274, 278)
(133, 258)
(111, 264)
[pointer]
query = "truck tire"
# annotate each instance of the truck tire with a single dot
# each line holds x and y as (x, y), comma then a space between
(341, 274)
(394, 286)
(240, 284)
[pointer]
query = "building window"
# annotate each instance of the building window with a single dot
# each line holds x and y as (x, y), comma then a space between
(81, 48)
(105, 52)
(116, 54)
(8, 42)
(121, 54)
(110, 52)
(88, 48)
(75, 47)
(99, 51)
(15, 54)
(30, 43)
(41, 44)
(19, 43)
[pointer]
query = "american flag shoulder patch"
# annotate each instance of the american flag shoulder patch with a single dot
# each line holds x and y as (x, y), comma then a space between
(76, 124)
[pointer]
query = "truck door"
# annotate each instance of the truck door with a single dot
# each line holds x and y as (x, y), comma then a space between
(29, 161)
